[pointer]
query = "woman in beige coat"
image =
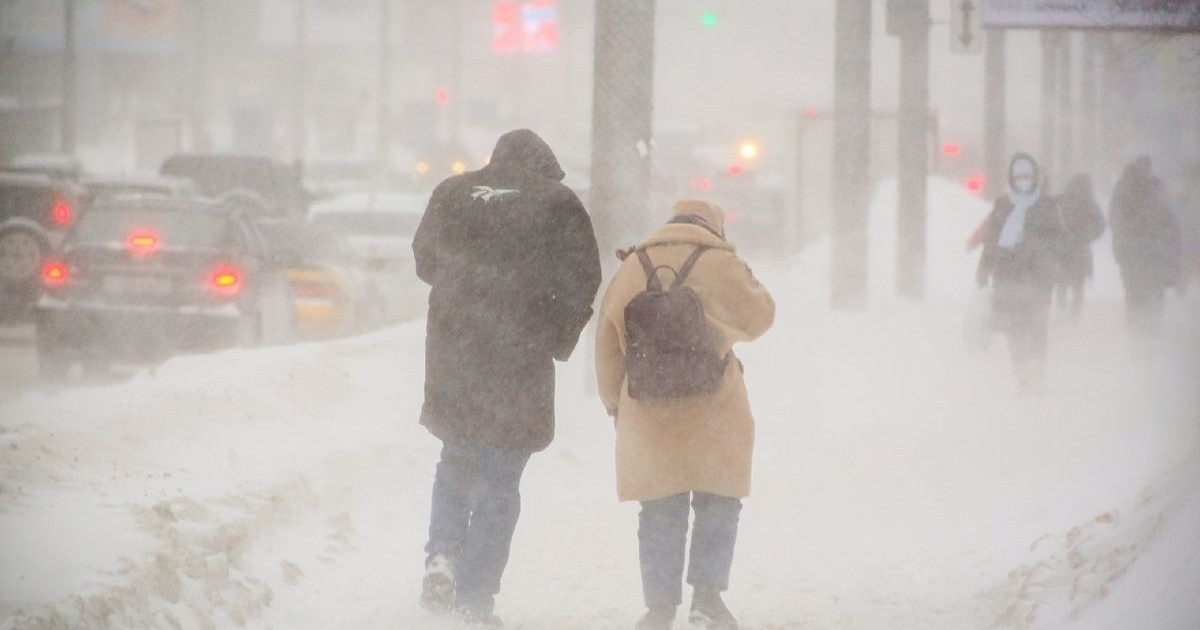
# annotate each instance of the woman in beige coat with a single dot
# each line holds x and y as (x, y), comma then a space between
(695, 449)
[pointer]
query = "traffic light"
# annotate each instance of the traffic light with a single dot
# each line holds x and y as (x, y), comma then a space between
(810, 112)
(441, 95)
(951, 149)
(708, 19)
(735, 169)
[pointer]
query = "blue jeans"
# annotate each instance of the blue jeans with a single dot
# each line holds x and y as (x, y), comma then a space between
(662, 538)
(475, 507)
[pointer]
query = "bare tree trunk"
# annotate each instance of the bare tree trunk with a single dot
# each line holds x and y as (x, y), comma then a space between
(851, 153)
(622, 112)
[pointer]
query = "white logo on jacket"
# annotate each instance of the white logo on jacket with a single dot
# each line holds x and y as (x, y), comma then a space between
(487, 193)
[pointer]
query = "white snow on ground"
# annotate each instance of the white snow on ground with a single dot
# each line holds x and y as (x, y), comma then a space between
(899, 482)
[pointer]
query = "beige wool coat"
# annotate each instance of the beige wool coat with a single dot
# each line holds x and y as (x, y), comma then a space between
(704, 443)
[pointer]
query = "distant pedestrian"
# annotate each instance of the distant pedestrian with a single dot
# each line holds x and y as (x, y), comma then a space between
(1084, 224)
(1022, 238)
(512, 263)
(669, 378)
(1146, 244)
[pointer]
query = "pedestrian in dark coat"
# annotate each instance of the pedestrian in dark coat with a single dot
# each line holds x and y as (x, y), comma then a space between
(1084, 223)
(511, 259)
(1146, 244)
(1022, 246)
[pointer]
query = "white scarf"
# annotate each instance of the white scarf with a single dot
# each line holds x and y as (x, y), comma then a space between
(1014, 228)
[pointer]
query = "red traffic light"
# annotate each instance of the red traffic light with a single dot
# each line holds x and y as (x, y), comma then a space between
(735, 169)
(810, 112)
(951, 149)
(441, 95)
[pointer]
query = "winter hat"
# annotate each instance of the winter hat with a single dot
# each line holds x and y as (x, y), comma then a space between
(525, 149)
(706, 214)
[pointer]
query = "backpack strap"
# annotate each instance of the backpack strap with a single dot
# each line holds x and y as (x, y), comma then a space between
(687, 266)
(652, 282)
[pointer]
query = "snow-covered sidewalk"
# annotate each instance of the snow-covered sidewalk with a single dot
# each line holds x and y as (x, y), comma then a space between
(899, 483)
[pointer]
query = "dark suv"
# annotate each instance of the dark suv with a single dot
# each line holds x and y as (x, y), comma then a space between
(35, 212)
(141, 278)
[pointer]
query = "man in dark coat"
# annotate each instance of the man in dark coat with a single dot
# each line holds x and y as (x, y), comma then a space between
(1084, 223)
(1146, 244)
(511, 259)
(1022, 248)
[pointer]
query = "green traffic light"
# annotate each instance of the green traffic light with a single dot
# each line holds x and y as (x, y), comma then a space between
(709, 19)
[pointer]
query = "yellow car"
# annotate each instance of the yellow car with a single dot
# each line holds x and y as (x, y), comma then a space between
(332, 294)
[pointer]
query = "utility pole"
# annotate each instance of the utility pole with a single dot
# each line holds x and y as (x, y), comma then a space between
(198, 81)
(622, 115)
(69, 111)
(1090, 126)
(1050, 41)
(913, 146)
(995, 129)
(383, 126)
(299, 87)
(851, 153)
(1066, 117)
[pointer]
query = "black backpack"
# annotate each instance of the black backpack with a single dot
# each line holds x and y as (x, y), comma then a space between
(670, 351)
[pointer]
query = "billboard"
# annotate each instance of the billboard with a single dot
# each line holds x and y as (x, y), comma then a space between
(1160, 15)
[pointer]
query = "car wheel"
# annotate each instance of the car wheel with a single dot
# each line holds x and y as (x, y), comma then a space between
(21, 253)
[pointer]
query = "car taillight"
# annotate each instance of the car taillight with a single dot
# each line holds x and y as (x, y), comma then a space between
(55, 274)
(142, 243)
(225, 281)
(61, 212)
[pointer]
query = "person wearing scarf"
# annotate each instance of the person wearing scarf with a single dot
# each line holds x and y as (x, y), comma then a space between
(1023, 240)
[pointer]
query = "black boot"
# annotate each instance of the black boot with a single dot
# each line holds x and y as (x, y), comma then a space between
(657, 618)
(709, 610)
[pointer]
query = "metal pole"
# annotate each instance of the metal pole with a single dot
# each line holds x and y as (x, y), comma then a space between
(1049, 101)
(384, 98)
(913, 152)
(1089, 123)
(798, 231)
(622, 116)
(995, 111)
(299, 91)
(1066, 115)
(70, 75)
(851, 153)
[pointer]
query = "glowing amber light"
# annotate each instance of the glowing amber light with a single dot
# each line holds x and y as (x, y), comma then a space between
(459, 167)
(54, 273)
(422, 167)
(749, 150)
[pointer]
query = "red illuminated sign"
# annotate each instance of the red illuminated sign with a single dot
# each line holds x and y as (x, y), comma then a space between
(528, 27)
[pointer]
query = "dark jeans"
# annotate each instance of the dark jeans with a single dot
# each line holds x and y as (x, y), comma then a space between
(476, 504)
(662, 537)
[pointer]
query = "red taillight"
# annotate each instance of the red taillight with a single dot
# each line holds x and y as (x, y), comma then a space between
(225, 281)
(143, 243)
(55, 273)
(61, 212)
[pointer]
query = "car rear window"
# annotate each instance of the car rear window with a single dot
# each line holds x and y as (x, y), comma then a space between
(310, 244)
(369, 223)
(172, 228)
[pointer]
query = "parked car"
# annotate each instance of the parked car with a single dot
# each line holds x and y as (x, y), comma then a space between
(217, 175)
(101, 186)
(35, 213)
(57, 166)
(142, 278)
(333, 295)
(380, 229)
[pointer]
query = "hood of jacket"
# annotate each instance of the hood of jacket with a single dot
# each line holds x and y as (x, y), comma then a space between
(526, 150)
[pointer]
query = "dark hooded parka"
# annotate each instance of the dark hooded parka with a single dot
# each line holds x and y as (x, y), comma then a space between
(1145, 233)
(511, 259)
(1084, 223)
